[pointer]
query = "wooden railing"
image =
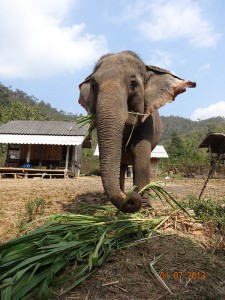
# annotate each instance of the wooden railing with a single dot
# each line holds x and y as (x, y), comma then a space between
(31, 173)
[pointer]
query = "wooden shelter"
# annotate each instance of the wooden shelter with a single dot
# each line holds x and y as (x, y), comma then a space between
(43, 148)
(157, 154)
(215, 142)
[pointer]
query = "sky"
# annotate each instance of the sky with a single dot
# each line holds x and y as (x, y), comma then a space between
(48, 47)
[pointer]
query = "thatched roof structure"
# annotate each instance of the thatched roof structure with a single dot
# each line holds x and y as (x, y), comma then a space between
(215, 142)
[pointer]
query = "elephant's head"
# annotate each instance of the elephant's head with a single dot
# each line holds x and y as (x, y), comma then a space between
(121, 83)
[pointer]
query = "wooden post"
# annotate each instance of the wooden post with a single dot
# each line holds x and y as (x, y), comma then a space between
(28, 153)
(210, 153)
(28, 158)
(73, 161)
(77, 166)
(67, 156)
(74, 167)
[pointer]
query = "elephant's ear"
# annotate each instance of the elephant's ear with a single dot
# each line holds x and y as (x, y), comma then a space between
(87, 98)
(162, 87)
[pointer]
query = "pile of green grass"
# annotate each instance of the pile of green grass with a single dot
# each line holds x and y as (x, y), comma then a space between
(32, 264)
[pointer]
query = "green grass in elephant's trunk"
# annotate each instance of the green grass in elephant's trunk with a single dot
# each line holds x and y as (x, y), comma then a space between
(155, 190)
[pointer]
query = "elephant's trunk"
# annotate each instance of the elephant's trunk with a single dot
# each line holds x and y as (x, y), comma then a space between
(111, 117)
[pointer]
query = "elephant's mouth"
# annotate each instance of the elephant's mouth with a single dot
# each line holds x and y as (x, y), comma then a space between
(133, 118)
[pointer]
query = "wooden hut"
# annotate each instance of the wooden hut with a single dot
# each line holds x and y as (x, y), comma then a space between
(43, 148)
(157, 154)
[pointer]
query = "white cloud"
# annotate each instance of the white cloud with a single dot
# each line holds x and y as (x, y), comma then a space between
(35, 43)
(172, 19)
(214, 110)
(160, 58)
(206, 67)
(203, 71)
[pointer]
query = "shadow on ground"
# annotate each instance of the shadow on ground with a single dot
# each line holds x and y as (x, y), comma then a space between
(85, 199)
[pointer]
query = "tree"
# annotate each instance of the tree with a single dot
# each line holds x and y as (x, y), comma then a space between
(5, 94)
(176, 147)
(17, 110)
(185, 155)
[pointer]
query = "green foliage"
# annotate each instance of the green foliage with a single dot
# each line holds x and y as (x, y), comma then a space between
(30, 264)
(90, 164)
(20, 111)
(27, 107)
(4, 95)
(187, 127)
(89, 120)
(35, 208)
(209, 210)
(155, 191)
(185, 155)
(181, 138)
(176, 147)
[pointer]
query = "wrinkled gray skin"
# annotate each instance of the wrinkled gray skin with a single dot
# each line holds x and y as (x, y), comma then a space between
(121, 83)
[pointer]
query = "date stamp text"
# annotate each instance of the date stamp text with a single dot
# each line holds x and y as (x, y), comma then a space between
(177, 275)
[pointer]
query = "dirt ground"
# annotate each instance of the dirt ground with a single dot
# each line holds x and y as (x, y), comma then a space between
(188, 261)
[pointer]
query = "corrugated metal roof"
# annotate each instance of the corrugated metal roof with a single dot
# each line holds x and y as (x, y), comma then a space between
(42, 132)
(43, 128)
(41, 139)
(158, 152)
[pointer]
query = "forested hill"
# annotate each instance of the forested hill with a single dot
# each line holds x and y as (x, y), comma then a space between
(17, 105)
(186, 127)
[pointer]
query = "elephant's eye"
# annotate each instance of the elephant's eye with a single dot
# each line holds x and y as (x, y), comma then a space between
(133, 85)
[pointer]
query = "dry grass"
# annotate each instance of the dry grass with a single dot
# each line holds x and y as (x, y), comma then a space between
(57, 193)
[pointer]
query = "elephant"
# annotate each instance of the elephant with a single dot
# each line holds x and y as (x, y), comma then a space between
(125, 94)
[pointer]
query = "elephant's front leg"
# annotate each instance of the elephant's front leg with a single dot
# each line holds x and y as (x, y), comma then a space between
(141, 164)
(126, 160)
(141, 168)
(123, 169)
